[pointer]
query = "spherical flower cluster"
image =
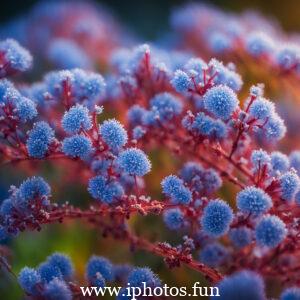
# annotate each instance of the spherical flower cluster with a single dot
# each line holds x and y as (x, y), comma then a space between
(260, 159)
(16, 58)
(221, 101)
(279, 162)
(217, 217)
(181, 81)
(258, 43)
(77, 146)
(39, 139)
(99, 266)
(253, 200)
(213, 254)
(241, 285)
(289, 185)
(134, 161)
(113, 134)
(76, 118)
(292, 293)
(270, 231)
(104, 190)
(174, 188)
(174, 218)
(241, 236)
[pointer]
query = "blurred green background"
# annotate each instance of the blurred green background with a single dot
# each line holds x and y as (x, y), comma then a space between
(148, 19)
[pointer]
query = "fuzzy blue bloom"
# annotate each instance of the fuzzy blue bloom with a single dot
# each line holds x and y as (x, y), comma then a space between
(140, 275)
(258, 43)
(26, 109)
(260, 159)
(195, 66)
(220, 130)
(105, 191)
(66, 54)
(211, 181)
(216, 218)
(245, 285)
(190, 170)
(18, 58)
(135, 115)
(261, 109)
(164, 106)
(279, 162)
(76, 119)
(226, 75)
(219, 42)
(181, 81)
(28, 279)
(173, 218)
(173, 187)
(63, 263)
(213, 254)
(138, 132)
(203, 124)
(289, 185)
(241, 236)
(49, 271)
(39, 139)
(57, 289)
(270, 231)
(288, 56)
(221, 101)
(292, 293)
(134, 162)
(253, 200)
(275, 129)
(113, 134)
(77, 146)
(32, 188)
(98, 264)
(295, 160)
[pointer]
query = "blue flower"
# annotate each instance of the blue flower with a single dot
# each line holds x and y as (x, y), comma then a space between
(275, 129)
(63, 263)
(76, 119)
(66, 54)
(138, 132)
(28, 279)
(181, 81)
(135, 115)
(258, 43)
(221, 101)
(261, 109)
(165, 106)
(292, 293)
(32, 188)
(213, 254)
(18, 58)
(279, 162)
(289, 185)
(138, 276)
(77, 146)
(216, 218)
(211, 181)
(105, 191)
(49, 271)
(26, 109)
(134, 162)
(253, 200)
(173, 187)
(39, 139)
(113, 134)
(241, 236)
(288, 56)
(245, 285)
(173, 218)
(98, 264)
(270, 231)
(57, 289)
(219, 42)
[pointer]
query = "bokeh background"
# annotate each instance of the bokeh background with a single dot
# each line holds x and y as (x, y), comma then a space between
(148, 20)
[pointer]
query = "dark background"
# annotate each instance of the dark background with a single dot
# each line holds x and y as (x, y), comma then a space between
(147, 18)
